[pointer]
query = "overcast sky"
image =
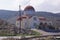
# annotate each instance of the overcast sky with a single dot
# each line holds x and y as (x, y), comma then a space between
(39, 5)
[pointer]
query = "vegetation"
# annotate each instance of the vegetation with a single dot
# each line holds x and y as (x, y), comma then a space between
(7, 29)
(45, 26)
(32, 33)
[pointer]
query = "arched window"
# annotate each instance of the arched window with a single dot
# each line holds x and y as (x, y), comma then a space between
(35, 18)
(35, 24)
(41, 23)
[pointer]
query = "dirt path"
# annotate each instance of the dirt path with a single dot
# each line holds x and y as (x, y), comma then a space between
(45, 33)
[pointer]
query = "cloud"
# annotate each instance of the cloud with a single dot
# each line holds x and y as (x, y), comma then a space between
(54, 2)
(24, 3)
(39, 5)
(9, 4)
(49, 5)
(43, 5)
(36, 2)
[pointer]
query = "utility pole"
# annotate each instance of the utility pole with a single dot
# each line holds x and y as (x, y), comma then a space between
(20, 17)
(19, 20)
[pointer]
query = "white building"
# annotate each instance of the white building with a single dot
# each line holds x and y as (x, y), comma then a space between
(30, 20)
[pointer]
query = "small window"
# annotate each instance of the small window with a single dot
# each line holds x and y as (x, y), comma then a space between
(49, 23)
(25, 23)
(35, 24)
(41, 23)
(35, 18)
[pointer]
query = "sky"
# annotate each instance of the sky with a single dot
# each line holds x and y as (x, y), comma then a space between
(39, 5)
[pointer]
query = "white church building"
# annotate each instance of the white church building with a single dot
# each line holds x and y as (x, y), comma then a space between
(30, 20)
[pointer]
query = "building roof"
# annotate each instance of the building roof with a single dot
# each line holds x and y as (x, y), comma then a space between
(29, 8)
(19, 18)
(42, 18)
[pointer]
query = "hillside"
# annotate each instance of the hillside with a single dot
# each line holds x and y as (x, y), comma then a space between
(58, 13)
(6, 14)
(11, 16)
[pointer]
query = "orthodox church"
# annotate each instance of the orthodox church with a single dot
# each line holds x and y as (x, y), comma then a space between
(29, 20)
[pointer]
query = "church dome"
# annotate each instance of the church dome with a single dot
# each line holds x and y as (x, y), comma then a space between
(29, 8)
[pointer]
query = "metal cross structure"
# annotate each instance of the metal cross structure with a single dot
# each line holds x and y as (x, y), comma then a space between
(19, 15)
(19, 29)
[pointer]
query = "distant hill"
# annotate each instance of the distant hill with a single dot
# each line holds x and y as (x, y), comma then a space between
(6, 14)
(47, 14)
(12, 15)
(58, 13)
